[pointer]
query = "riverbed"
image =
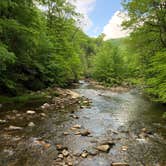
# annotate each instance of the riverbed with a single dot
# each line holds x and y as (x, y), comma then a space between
(128, 119)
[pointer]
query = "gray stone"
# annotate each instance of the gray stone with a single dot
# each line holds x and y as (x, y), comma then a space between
(103, 148)
(2, 121)
(85, 132)
(30, 112)
(31, 124)
(65, 153)
(15, 128)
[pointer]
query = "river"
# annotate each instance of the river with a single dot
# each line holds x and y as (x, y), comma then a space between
(123, 118)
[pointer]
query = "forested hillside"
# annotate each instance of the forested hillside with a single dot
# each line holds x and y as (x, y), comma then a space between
(140, 58)
(148, 39)
(42, 45)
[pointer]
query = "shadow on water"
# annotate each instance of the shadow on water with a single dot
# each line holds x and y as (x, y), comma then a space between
(113, 116)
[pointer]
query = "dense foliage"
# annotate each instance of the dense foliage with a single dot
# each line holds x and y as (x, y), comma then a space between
(41, 46)
(140, 58)
(108, 64)
(115, 63)
(38, 45)
(147, 20)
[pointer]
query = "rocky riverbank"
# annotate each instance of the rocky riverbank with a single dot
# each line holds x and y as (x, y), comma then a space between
(118, 89)
(85, 126)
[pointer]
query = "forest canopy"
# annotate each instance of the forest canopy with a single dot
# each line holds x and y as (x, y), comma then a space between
(41, 45)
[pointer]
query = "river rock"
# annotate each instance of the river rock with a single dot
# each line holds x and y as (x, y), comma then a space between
(119, 164)
(92, 151)
(2, 121)
(45, 106)
(15, 128)
(77, 133)
(142, 135)
(46, 145)
(41, 143)
(16, 138)
(73, 129)
(107, 142)
(65, 153)
(77, 126)
(69, 160)
(60, 156)
(141, 140)
(65, 133)
(8, 151)
(30, 112)
(70, 164)
(144, 130)
(124, 148)
(86, 102)
(74, 116)
(85, 132)
(31, 124)
(18, 115)
(59, 147)
(9, 117)
(84, 154)
(43, 114)
(73, 95)
(103, 148)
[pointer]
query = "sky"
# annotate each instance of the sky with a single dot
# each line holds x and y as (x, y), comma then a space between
(102, 16)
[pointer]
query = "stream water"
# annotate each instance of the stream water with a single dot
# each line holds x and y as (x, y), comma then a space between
(119, 117)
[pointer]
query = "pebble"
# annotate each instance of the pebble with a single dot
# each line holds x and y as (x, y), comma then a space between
(43, 114)
(74, 116)
(73, 129)
(31, 124)
(124, 148)
(30, 112)
(15, 128)
(144, 130)
(84, 154)
(45, 106)
(77, 133)
(103, 148)
(60, 156)
(65, 133)
(65, 153)
(77, 126)
(85, 132)
(59, 147)
(70, 164)
(2, 121)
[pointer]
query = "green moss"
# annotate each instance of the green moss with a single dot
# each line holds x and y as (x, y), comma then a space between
(164, 115)
(19, 99)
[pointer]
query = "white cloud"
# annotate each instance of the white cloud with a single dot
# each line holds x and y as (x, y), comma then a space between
(84, 7)
(114, 29)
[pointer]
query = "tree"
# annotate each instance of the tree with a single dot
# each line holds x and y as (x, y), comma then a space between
(147, 20)
(37, 46)
(108, 64)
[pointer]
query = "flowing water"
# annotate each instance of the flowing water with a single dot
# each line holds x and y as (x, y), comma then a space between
(119, 117)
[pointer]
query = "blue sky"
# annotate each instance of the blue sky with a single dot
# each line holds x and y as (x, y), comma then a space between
(102, 16)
